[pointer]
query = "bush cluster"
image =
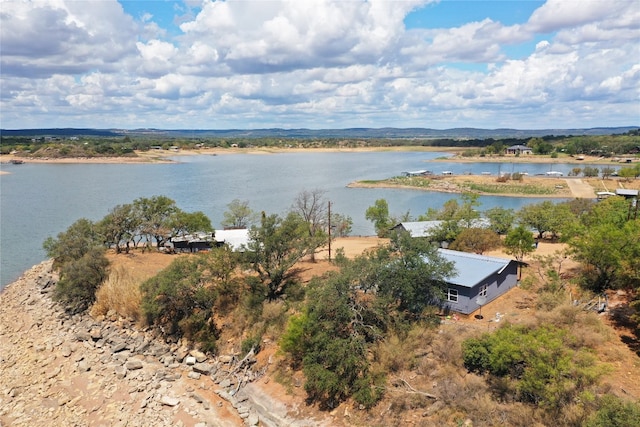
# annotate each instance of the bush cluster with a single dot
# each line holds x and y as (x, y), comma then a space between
(79, 255)
(532, 365)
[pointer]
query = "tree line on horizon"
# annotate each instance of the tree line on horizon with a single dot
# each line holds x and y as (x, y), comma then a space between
(96, 146)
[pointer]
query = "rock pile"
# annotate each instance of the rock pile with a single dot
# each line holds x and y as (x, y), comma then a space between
(57, 369)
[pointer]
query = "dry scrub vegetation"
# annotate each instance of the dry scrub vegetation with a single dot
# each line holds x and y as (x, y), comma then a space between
(426, 380)
(120, 294)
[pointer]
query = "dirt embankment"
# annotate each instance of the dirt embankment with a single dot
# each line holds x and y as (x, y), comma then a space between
(62, 370)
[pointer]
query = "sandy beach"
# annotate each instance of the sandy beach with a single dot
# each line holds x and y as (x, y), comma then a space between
(453, 154)
(165, 156)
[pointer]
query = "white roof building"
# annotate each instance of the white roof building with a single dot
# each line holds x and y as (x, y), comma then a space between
(238, 239)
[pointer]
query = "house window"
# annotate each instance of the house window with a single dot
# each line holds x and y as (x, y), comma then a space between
(483, 291)
(452, 295)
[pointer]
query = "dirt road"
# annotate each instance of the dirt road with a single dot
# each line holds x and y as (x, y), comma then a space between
(580, 189)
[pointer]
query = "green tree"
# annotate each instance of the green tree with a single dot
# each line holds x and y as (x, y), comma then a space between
(341, 225)
(180, 300)
(78, 253)
(275, 247)
(455, 216)
(605, 249)
(546, 217)
(613, 210)
(330, 340)
(498, 147)
(379, 215)
(607, 171)
(590, 171)
(615, 412)
(629, 172)
(413, 277)
(540, 146)
(119, 226)
(519, 242)
(181, 223)
(476, 240)
(468, 213)
(222, 264)
(500, 219)
(155, 214)
(575, 171)
(542, 369)
(72, 244)
(238, 215)
(80, 279)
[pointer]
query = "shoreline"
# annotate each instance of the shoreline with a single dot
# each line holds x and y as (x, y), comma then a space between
(62, 369)
(459, 191)
(453, 155)
(587, 160)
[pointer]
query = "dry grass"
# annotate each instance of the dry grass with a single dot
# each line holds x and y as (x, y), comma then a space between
(120, 294)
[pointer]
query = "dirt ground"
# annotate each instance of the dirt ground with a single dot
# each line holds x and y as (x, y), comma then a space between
(622, 352)
(537, 158)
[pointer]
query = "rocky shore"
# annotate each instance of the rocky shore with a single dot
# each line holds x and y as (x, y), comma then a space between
(63, 370)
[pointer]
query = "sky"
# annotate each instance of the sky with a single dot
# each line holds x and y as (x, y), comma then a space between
(319, 64)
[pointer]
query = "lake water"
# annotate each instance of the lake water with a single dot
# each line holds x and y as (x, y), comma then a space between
(41, 200)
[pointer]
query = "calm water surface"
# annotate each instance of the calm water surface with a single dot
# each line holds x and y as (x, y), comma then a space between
(41, 200)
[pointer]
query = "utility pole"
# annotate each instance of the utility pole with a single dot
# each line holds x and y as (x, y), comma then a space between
(329, 215)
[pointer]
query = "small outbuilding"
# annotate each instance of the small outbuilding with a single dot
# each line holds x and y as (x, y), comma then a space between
(477, 280)
(627, 193)
(190, 243)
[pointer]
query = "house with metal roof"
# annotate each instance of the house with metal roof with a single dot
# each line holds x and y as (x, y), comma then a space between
(426, 228)
(519, 149)
(477, 280)
(417, 228)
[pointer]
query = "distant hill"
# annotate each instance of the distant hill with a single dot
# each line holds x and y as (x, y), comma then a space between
(58, 132)
(349, 133)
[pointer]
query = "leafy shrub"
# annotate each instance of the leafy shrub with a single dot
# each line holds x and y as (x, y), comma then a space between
(180, 301)
(329, 342)
(614, 412)
(79, 255)
(253, 342)
(335, 369)
(590, 171)
(72, 244)
(538, 366)
(79, 279)
(292, 341)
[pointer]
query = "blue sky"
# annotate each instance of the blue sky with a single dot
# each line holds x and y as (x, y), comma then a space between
(454, 13)
(319, 63)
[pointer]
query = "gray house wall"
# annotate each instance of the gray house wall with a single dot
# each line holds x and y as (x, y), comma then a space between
(497, 284)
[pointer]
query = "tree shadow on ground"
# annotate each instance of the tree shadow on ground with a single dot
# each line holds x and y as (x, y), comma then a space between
(621, 319)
